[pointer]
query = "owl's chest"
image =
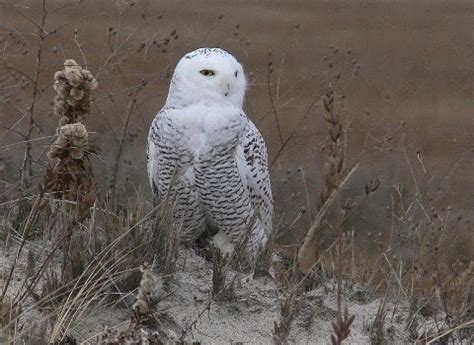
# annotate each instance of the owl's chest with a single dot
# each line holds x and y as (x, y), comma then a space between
(207, 130)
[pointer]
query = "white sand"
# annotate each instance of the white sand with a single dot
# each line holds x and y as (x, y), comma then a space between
(247, 316)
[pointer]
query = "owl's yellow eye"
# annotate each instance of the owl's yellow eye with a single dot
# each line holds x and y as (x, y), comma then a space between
(207, 72)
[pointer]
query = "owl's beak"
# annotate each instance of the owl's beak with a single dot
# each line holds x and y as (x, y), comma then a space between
(227, 90)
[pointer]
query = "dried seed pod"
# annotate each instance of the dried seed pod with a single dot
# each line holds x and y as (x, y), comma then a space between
(73, 86)
(71, 141)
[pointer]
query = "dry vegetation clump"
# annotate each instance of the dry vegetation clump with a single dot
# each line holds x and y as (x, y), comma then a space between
(68, 189)
(376, 329)
(164, 242)
(97, 245)
(144, 327)
(73, 86)
(288, 311)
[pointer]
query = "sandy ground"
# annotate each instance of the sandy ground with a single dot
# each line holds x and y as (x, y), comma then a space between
(248, 316)
(245, 316)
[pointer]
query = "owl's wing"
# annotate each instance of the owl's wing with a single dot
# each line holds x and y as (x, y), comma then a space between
(252, 160)
(162, 156)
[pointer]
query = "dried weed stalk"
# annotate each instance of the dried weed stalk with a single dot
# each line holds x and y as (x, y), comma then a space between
(294, 287)
(288, 310)
(333, 168)
(341, 327)
(219, 272)
(71, 177)
(376, 329)
(334, 179)
(68, 186)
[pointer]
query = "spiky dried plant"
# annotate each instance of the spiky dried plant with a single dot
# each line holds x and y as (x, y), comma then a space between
(335, 177)
(333, 168)
(288, 310)
(341, 327)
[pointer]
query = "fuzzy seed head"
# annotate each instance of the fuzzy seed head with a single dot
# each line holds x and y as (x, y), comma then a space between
(71, 139)
(73, 88)
(148, 292)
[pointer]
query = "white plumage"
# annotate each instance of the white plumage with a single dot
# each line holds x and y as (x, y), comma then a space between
(205, 153)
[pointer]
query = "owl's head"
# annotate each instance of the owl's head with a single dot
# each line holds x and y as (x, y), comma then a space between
(207, 75)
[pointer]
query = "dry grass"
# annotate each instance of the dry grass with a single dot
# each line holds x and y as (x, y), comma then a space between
(73, 206)
(288, 310)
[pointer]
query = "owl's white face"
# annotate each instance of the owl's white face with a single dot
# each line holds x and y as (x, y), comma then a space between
(207, 75)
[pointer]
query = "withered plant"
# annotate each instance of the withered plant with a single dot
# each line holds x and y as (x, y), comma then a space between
(144, 327)
(219, 272)
(71, 181)
(293, 299)
(288, 311)
(336, 175)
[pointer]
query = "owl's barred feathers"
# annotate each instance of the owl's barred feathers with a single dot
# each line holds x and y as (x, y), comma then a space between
(205, 153)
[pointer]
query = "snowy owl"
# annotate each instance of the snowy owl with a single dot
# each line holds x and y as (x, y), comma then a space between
(209, 157)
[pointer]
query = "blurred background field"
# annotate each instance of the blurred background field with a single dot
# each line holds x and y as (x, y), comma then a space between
(405, 93)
